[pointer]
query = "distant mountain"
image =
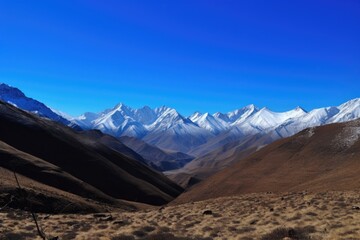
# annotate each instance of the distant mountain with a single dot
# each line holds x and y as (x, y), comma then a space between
(324, 158)
(18, 99)
(87, 164)
(197, 135)
(155, 157)
(163, 127)
(200, 133)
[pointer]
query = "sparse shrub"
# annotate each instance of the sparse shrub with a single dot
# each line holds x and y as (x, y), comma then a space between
(323, 208)
(69, 235)
(164, 230)
(292, 233)
(192, 224)
(148, 229)
(121, 223)
(85, 227)
(123, 237)
(349, 232)
(341, 204)
(16, 236)
(139, 233)
(102, 226)
(207, 229)
(217, 215)
(312, 214)
(337, 225)
(246, 238)
(296, 217)
(169, 236)
(245, 230)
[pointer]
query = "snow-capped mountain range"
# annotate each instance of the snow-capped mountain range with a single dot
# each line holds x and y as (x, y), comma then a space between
(125, 121)
(164, 127)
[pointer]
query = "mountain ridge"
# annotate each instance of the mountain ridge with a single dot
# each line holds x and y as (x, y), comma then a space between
(166, 128)
(63, 158)
(167, 122)
(324, 158)
(17, 98)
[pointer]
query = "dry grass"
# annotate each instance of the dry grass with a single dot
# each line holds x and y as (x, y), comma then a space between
(328, 215)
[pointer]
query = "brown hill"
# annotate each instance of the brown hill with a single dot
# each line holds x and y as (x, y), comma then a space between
(57, 156)
(156, 157)
(202, 167)
(323, 158)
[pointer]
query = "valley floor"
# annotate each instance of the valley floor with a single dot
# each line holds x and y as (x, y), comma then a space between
(328, 215)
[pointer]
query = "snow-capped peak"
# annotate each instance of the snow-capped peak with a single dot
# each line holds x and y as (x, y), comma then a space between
(206, 121)
(167, 118)
(347, 111)
(195, 116)
(123, 120)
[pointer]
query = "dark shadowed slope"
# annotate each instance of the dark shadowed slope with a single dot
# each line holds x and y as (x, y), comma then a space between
(322, 158)
(156, 157)
(113, 143)
(15, 97)
(84, 158)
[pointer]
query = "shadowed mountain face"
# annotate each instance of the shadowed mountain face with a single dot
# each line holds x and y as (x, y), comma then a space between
(17, 98)
(316, 159)
(56, 155)
(202, 167)
(156, 157)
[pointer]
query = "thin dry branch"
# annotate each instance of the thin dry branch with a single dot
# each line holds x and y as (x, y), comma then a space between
(40, 232)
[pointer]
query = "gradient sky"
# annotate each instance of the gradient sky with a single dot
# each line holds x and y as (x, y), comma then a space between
(206, 56)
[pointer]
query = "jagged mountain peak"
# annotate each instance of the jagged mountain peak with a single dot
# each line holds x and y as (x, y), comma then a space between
(241, 114)
(299, 108)
(122, 120)
(122, 108)
(241, 122)
(164, 109)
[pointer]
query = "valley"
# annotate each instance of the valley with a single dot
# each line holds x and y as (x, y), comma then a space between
(179, 120)
(294, 177)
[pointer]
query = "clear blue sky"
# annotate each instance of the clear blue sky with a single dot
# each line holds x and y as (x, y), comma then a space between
(192, 55)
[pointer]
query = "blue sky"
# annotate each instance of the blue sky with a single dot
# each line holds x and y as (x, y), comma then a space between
(206, 56)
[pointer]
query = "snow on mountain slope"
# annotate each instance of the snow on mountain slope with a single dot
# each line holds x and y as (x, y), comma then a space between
(167, 118)
(314, 118)
(264, 121)
(17, 98)
(182, 137)
(238, 115)
(119, 121)
(347, 111)
(85, 120)
(212, 123)
(165, 127)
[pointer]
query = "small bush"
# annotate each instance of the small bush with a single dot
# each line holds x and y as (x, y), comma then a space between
(293, 233)
(140, 233)
(14, 236)
(148, 229)
(169, 236)
(123, 237)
